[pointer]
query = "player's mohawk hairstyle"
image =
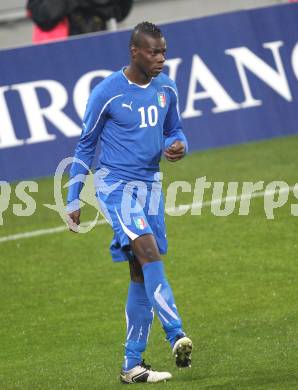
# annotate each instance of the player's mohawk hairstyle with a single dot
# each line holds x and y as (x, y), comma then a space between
(144, 28)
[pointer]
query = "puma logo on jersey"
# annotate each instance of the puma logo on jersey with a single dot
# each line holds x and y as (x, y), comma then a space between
(127, 105)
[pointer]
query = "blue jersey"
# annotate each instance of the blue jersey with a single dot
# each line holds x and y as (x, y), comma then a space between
(133, 124)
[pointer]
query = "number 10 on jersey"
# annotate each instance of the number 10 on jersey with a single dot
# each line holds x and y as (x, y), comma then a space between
(148, 117)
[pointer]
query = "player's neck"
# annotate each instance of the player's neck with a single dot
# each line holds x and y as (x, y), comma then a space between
(135, 76)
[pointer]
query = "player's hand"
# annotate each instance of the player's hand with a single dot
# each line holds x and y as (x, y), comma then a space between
(73, 220)
(175, 152)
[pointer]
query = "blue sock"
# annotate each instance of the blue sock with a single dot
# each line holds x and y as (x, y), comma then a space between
(139, 317)
(161, 297)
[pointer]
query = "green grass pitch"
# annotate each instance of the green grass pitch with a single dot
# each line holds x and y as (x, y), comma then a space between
(235, 281)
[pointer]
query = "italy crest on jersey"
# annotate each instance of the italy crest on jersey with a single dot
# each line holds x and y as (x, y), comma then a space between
(140, 223)
(162, 101)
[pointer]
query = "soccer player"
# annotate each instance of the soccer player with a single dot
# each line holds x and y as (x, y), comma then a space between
(135, 115)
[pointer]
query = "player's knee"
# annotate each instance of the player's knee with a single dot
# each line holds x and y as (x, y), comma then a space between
(148, 254)
(136, 273)
(137, 278)
(145, 249)
(151, 253)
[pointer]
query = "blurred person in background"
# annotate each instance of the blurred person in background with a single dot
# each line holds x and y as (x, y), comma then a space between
(57, 19)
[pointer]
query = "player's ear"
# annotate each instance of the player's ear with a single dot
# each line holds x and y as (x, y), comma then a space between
(133, 51)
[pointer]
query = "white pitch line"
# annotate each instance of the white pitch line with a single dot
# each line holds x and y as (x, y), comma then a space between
(170, 211)
(43, 232)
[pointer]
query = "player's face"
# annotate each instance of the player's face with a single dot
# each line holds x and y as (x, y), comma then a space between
(149, 57)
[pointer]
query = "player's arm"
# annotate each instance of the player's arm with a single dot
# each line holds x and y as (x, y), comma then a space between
(93, 123)
(175, 141)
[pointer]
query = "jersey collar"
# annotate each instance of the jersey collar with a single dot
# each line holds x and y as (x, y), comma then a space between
(131, 83)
